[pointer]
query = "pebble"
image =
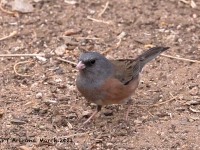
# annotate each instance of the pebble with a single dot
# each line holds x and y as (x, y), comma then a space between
(194, 16)
(91, 11)
(60, 50)
(180, 40)
(42, 59)
(71, 2)
(138, 121)
(38, 95)
(194, 91)
(109, 144)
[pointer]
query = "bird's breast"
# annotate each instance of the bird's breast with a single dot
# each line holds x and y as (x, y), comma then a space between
(90, 89)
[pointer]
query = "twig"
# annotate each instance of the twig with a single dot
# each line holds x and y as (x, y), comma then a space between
(142, 106)
(88, 38)
(67, 61)
(80, 38)
(106, 51)
(185, 1)
(20, 55)
(73, 135)
(19, 63)
(104, 9)
(179, 58)
(72, 32)
(109, 49)
(118, 43)
(8, 11)
(193, 4)
(172, 95)
(97, 20)
(157, 104)
(194, 110)
(85, 141)
(119, 37)
(9, 36)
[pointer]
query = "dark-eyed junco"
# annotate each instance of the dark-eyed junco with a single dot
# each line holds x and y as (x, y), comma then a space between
(104, 82)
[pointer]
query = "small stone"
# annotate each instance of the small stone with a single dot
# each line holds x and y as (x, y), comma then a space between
(138, 121)
(109, 144)
(86, 113)
(191, 120)
(42, 127)
(60, 50)
(194, 91)
(191, 28)
(50, 102)
(40, 58)
(71, 2)
(180, 40)
(71, 116)
(38, 95)
(178, 27)
(58, 80)
(108, 113)
(91, 11)
(194, 16)
(36, 1)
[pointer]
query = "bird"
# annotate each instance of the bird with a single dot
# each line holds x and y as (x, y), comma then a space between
(105, 82)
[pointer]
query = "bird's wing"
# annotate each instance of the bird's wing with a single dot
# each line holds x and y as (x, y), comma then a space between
(126, 69)
(129, 69)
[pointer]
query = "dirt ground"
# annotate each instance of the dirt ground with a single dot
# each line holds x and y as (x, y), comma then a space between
(40, 107)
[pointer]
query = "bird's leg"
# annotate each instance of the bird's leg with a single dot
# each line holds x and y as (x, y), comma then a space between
(94, 114)
(129, 103)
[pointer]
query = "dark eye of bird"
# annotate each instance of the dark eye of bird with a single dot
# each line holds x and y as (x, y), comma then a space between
(92, 61)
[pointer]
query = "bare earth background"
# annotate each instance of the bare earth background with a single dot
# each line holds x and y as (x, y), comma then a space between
(45, 103)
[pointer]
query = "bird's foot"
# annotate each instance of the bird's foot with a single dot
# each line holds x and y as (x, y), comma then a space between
(93, 115)
(90, 118)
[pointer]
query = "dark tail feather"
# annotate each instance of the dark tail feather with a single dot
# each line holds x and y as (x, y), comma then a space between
(150, 55)
(144, 59)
